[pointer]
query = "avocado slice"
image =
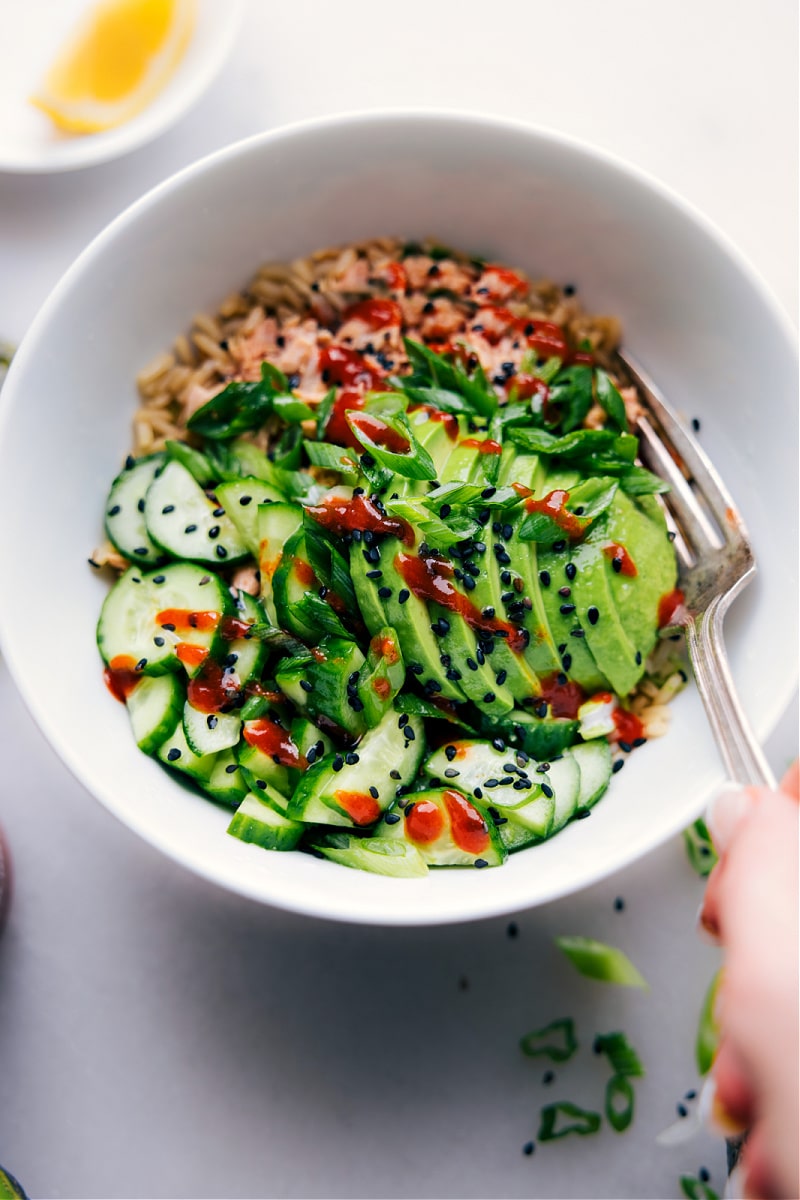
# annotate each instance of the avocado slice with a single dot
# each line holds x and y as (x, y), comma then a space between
(638, 525)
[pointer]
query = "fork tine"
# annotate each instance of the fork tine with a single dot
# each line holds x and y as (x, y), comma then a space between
(690, 517)
(697, 465)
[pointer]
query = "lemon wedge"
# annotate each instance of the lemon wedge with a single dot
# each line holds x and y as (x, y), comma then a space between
(116, 61)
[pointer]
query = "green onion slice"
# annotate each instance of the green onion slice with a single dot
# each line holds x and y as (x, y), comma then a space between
(578, 1120)
(619, 1102)
(596, 960)
(557, 1041)
(705, 1046)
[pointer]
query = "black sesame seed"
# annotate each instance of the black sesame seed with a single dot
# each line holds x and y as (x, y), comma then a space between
(403, 721)
(529, 1148)
(566, 661)
(489, 698)
(505, 577)
(618, 765)
(548, 791)
(619, 904)
(408, 734)
(158, 641)
(351, 759)
(141, 664)
(616, 563)
(565, 609)
(593, 615)
(548, 1077)
(477, 793)
(384, 592)
(626, 747)
(544, 578)
(416, 668)
(213, 532)
(481, 862)
(206, 579)
(174, 754)
(373, 791)
(570, 570)
(638, 658)
(306, 686)
(488, 492)
(112, 512)
(374, 574)
(190, 529)
(512, 929)
(169, 626)
(541, 709)
(559, 546)
(473, 666)
(130, 462)
(141, 550)
(695, 424)
(392, 818)
(508, 531)
(578, 633)
(565, 591)
(487, 612)
(681, 1110)
(337, 763)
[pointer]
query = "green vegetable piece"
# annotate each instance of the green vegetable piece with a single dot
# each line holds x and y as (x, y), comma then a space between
(557, 1041)
(619, 1102)
(432, 369)
(382, 675)
(610, 400)
(699, 847)
(705, 1046)
(596, 960)
(412, 461)
(697, 1189)
(580, 1120)
(241, 406)
(585, 502)
(620, 1053)
(332, 458)
(197, 464)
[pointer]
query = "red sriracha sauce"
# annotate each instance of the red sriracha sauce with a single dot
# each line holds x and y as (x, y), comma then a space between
(424, 822)
(435, 414)
(429, 579)
(375, 313)
(184, 619)
(668, 607)
(386, 647)
(346, 367)
(213, 686)
(621, 561)
(382, 688)
(482, 445)
(344, 516)
(563, 695)
(380, 433)
(268, 737)
(627, 725)
(554, 505)
(469, 830)
(500, 283)
(190, 654)
(337, 430)
(359, 805)
(121, 677)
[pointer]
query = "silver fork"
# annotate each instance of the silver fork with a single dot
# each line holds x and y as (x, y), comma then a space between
(715, 562)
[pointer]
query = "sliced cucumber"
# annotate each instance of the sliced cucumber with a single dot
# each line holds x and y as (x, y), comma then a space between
(129, 627)
(488, 774)
(564, 777)
(325, 684)
(182, 520)
(125, 520)
(276, 525)
(226, 783)
(448, 828)
(309, 739)
(335, 791)
(380, 856)
(251, 652)
(176, 752)
(154, 707)
(241, 499)
(260, 771)
(257, 822)
(208, 733)
(595, 762)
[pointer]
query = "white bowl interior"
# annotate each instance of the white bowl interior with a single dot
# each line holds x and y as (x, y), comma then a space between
(693, 314)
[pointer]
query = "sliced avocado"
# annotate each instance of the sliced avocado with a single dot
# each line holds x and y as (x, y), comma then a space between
(569, 635)
(596, 610)
(436, 435)
(638, 525)
(410, 618)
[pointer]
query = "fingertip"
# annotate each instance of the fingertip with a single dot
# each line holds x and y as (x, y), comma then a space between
(726, 810)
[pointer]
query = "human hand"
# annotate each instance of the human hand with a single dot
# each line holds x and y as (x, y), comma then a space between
(751, 908)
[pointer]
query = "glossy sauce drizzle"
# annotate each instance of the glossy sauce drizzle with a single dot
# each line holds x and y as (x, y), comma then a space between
(553, 505)
(482, 445)
(272, 740)
(380, 433)
(469, 830)
(359, 805)
(668, 606)
(342, 516)
(618, 554)
(563, 695)
(429, 579)
(121, 677)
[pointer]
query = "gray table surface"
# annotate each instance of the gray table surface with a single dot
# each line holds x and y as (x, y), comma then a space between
(159, 1037)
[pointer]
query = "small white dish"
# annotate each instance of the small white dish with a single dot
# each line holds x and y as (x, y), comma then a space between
(32, 34)
(694, 314)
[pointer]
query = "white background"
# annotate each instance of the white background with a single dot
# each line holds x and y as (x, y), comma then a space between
(161, 1038)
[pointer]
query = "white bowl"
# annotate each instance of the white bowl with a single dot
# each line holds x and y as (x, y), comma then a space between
(694, 314)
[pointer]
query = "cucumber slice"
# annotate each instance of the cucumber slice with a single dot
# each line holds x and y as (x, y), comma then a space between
(251, 652)
(380, 856)
(176, 752)
(564, 777)
(325, 684)
(154, 707)
(129, 628)
(447, 828)
(276, 524)
(208, 733)
(260, 771)
(337, 792)
(257, 822)
(125, 521)
(310, 741)
(182, 520)
(595, 762)
(226, 783)
(241, 499)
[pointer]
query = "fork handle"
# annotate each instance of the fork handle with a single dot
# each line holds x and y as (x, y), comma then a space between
(741, 753)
